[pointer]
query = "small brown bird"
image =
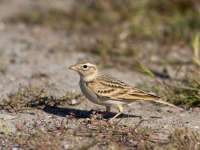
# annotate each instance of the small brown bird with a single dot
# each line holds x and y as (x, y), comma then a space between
(108, 91)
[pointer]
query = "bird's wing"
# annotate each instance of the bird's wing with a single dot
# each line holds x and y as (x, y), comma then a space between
(112, 88)
(108, 87)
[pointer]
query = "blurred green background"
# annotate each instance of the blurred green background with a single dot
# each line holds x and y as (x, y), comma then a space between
(123, 29)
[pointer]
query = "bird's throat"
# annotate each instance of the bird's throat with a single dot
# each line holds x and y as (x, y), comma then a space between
(89, 78)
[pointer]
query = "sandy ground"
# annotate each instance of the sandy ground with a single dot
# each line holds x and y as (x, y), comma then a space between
(29, 53)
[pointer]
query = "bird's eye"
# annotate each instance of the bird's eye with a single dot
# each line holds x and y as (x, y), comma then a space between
(85, 66)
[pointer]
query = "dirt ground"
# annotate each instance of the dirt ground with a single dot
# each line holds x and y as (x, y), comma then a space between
(29, 55)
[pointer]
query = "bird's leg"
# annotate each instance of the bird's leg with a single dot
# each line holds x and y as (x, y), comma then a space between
(120, 112)
(107, 110)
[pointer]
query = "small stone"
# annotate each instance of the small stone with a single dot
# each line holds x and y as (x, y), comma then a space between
(129, 105)
(195, 127)
(172, 111)
(144, 117)
(48, 116)
(165, 127)
(135, 130)
(73, 101)
(73, 91)
(70, 130)
(66, 146)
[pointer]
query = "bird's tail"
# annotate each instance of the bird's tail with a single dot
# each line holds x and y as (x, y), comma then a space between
(163, 102)
(138, 95)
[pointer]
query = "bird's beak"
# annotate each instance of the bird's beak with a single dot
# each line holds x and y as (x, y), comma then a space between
(73, 68)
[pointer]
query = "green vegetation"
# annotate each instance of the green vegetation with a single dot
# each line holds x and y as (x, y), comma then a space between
(120, 30)
(186, 91)
(140, 18)
(2, 69)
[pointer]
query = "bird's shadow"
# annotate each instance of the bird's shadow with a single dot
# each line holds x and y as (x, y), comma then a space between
(63, 112)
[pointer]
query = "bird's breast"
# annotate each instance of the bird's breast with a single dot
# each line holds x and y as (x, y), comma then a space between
(88, 93)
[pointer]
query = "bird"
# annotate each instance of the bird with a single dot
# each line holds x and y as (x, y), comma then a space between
(109, 91)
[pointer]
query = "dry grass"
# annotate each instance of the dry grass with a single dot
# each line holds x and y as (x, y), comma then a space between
(95, 131)
(185, 91)
(29, 97)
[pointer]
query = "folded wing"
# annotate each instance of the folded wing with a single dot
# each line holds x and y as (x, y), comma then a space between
(112, 88)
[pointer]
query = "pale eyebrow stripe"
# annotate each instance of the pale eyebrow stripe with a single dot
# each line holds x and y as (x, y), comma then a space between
(90, 65)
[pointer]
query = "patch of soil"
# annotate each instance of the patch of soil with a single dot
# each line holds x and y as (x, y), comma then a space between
(40, 56)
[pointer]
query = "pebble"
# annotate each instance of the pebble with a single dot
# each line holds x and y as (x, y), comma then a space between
(73, 91)
(73, 101)
(48, 116)
(172, 111)
(195, 127)
(129, 105)
(144, 117)
(165, 126)
(66, 146)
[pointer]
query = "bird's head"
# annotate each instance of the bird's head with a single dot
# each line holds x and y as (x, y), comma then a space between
(87, 70)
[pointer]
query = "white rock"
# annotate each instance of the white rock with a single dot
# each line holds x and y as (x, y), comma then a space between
(195, 127)
(129, 105)
(73, 91)
(73, 101)
(48, 116)
(66, 146)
